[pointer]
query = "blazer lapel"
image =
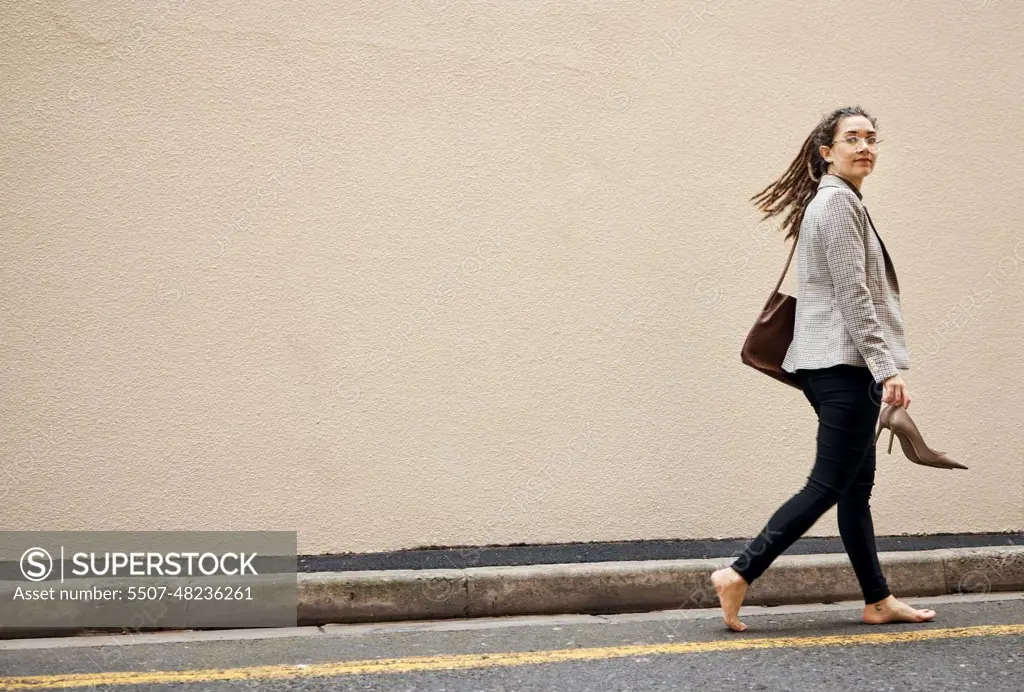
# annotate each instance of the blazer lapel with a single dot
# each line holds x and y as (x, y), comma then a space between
(830, 180)
(889, 267)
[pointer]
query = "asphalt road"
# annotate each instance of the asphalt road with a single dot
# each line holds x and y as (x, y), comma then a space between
(975, 642)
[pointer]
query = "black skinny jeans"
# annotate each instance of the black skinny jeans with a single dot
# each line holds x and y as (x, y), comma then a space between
(847, 401)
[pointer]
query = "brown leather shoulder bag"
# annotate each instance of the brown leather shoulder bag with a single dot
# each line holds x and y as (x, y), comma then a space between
(772, 333)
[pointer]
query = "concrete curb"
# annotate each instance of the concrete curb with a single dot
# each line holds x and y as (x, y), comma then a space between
(621, 587)
(637, 586)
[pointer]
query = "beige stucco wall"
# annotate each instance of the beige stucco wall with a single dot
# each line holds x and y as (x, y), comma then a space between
(462, 272)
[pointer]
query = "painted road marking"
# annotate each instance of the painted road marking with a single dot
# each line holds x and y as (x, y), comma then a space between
(462, 661)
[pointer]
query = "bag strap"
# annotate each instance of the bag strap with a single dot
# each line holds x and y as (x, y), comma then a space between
(784, 270)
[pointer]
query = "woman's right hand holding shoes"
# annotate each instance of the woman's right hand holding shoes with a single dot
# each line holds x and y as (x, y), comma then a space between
(895, 392)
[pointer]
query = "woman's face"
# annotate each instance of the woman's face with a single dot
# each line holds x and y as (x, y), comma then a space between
(854, 159)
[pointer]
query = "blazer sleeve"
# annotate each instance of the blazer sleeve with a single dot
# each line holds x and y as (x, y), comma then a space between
(843, 236)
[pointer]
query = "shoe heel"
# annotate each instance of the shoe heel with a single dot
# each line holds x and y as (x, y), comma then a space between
(891, 433)
(883, 421)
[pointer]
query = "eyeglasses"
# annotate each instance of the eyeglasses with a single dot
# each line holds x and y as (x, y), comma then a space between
(871, 141)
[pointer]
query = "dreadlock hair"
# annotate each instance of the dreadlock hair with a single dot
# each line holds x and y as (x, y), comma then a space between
(797, 186)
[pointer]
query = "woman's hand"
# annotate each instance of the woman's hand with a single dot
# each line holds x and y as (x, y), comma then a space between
(895, 393)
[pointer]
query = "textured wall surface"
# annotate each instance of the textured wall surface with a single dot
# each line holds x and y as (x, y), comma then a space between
(450, 272)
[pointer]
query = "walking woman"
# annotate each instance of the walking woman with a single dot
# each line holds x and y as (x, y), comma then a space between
(848, 346)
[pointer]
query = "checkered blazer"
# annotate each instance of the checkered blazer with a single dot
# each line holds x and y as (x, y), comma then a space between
(848, 298)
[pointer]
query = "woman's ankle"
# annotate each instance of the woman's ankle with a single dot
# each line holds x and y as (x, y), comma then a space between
(883, 602)
(739, 575)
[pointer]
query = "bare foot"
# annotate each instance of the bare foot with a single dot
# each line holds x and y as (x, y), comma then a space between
(731, 588)
(892, 610)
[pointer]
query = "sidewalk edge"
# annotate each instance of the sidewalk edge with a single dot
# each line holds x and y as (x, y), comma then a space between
(637, 586)
(598, 588)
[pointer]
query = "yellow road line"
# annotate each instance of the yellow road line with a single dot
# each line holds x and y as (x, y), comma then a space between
(460, 661)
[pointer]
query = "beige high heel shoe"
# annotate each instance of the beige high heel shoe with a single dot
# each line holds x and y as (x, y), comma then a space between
(901, 425)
